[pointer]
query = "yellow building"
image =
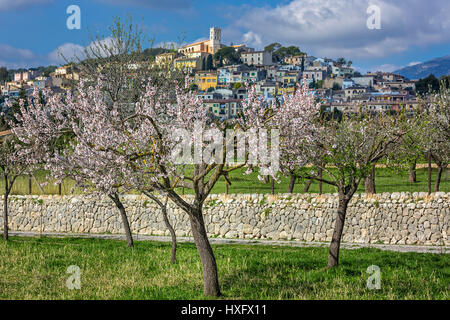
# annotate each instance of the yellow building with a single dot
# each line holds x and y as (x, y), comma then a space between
(67, 72)
(294, 60)
(206, 80)
(165, 58)
(290, 78)
(188, 64)
(286, 90)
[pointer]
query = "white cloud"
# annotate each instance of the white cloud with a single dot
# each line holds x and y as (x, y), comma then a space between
(9, 5)
(11, 57)
(74, 52)
(336, 28)
(67, 51)
(391, 67)
(6, 51)
(253, 38)
(385, 67)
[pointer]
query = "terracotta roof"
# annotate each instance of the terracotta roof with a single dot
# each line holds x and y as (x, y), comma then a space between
(193, 44)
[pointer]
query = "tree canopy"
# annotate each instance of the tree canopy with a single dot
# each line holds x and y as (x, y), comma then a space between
(279, 52)
(430, 83)
(4, 76)
(226, 55)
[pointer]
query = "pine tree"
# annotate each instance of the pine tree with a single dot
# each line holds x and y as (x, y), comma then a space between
(209, 63)
(203, 64)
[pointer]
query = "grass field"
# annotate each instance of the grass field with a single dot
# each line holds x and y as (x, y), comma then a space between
(386, 180)
(35, 268)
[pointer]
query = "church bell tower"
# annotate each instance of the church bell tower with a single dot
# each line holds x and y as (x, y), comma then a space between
(214, 39)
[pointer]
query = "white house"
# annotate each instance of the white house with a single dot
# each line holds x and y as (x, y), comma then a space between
(257, 58)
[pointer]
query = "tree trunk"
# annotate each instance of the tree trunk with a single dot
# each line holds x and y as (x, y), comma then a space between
(30, 189)
(369, 182)
(5, 206)
(429, 172)
(320, 182)
(333, 258)
(173, 257)
(123, 215)
(292, 182)
(438, 178)
(5, 217)
(307, 185)
(210, 278)
(163, 207)
(273, 186)
(412, 172)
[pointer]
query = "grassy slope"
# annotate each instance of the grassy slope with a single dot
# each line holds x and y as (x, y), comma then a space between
(35, 268)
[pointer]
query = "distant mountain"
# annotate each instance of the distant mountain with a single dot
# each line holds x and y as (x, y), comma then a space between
(438, 66)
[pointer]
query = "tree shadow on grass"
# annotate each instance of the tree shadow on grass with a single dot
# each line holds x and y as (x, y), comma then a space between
(270, 274)
(305, 275)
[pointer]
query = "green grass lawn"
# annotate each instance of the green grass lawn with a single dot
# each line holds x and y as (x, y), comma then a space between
(386, 180)
(35, 268)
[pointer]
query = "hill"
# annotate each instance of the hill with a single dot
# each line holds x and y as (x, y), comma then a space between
(438, 66)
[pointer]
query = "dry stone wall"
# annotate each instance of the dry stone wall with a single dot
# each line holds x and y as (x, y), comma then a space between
(389, 218)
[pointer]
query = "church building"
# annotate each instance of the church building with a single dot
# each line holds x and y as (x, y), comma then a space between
(210, 46)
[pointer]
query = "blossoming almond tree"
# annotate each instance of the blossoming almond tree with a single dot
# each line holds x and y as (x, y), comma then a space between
(351, 146)
(153, 152)
(411, 147)
(12, 166)
(132, 146)
(118, 65)
(54, 137)
(437, 135)
(344, 151)
(69, 136)
(296, 118)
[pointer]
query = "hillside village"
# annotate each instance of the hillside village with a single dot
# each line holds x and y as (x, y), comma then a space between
(219, 73)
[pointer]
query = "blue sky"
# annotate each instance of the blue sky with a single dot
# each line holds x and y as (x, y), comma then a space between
(412, 31)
